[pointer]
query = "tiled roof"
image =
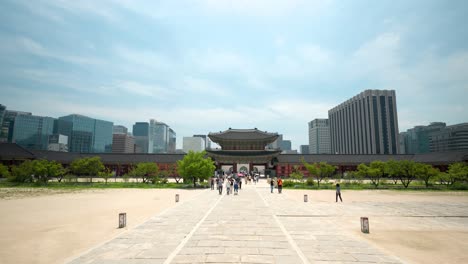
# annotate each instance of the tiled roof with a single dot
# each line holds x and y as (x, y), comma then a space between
(354, 159)
(243, 152)
(10, 151)
(109, 158)
(242, 134)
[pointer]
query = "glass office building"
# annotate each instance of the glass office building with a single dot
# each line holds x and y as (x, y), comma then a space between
(141, 134)
(32, 132)
(85, 134)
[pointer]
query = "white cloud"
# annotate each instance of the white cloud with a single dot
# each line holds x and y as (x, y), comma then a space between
(262, 8)
(202, 86)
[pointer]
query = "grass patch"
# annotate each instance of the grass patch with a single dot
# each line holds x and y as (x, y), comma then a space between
(416, 186)
(101, 185)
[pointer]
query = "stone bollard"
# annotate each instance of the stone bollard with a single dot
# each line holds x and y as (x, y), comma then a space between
(122, 220)
(365, 225)
(177, 198)
(306, 198)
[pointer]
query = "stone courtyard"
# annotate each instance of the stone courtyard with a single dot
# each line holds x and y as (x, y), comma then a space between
(259, 227)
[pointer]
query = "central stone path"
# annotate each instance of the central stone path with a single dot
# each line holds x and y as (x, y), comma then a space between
(252, 227)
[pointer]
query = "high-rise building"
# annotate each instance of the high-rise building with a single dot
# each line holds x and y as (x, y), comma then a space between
(32, 132)
(123, 143)
(142, 138)
(2, 114)
(172, 141)
(365, 124)
(285, 145)
(280, 143)
(196, 144)
(450, 138)
(206, 139)
(119, 130)
(319, 137)
(159, 131)
(417, 139)
(8, 123)
(304, 149)
(85, 134)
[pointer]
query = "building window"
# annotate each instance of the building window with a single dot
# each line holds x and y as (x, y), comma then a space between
(376, 124)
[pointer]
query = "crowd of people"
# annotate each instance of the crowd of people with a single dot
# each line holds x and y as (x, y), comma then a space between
(232, 184)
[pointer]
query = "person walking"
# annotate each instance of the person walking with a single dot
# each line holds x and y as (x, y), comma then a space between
(228, 186)
(280, 185)
(212, 183)
(220, 185)
(236, 188)
(240, 183)
(272, 185)
(338, 192)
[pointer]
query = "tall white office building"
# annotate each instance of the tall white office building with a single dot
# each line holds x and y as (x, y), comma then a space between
(365, 124)
(319, 137)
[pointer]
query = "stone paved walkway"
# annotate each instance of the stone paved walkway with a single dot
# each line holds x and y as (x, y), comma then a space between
(252, 227)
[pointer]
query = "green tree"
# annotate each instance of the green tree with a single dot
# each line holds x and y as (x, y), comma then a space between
(393, 170)
(105, 174)
(458, 172)
(407, 172)
(320, 170)
(425, 172)
(91, 166)
(297, 175)
(147, 171)
(23, 172)
(373, 172)
(194, 166)
(4, 171)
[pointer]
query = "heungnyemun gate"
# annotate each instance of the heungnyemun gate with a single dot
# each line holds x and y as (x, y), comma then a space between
(244, 150)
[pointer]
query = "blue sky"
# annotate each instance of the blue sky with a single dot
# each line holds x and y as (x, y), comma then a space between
(208, 65)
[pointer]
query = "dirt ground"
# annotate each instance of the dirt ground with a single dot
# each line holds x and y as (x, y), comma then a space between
(415, 240)
(49, 226)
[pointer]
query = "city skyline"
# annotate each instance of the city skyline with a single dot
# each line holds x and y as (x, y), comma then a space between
(209, 65)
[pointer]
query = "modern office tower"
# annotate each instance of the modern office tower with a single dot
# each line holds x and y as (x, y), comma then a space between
(280, 143)
(401, 139)
(58, 142)
(171, 148)
(119, 130)
(417, 139)
(159, 131)
(2, 114)
(123, 143)
(304, 149)
(365, 124)
(285, 145)
(206, 139)
(142, 138)
(32, 132)
(85, 134)
(196, 144)
(7, 126)
(450, 138)
(319, 136)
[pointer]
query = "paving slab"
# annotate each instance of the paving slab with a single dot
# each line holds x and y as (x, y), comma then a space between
(259, 227)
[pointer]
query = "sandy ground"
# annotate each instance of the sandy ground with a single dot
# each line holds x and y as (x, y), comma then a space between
(416, 240)
(47, 226)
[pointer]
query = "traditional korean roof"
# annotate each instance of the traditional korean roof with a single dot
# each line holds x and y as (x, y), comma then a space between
(243, 135)
(244, 152)
(12, 151)
(108, 158)
(435, 158)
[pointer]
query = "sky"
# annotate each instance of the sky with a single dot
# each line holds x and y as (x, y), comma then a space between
(208, 65)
